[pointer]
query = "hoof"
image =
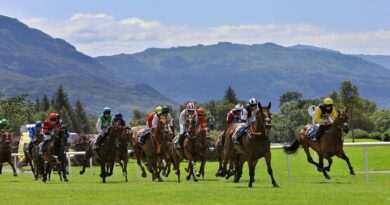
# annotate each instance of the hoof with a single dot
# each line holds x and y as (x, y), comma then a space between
(188, 178)
(352, 172)
(327, 169)
(196, 180)
(81, 172)
(15, 175)
(250, 185)
(160, 180)
(144, 175)
(66, 180)
(275, 185)
(327, 177)
(319, 169)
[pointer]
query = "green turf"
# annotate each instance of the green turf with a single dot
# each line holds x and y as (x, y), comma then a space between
(305, 186)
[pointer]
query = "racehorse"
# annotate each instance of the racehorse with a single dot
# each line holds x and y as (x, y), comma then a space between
(54, 154)
(32, 156)
(104, 153)
(5, 152)
(255, 145)
(153, 147)
(329, 144)
(195, 148)
(121, 151)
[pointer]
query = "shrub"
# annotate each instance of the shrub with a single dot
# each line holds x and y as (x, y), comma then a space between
(376, 135)
(359, 134)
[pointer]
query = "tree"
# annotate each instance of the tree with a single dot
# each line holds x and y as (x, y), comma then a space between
(17, 110)
(61, 99)
(349, 96)
(45, 105)
(139, 118)
(230, 96)
(81, 118)
(37, 105)
(289, 96)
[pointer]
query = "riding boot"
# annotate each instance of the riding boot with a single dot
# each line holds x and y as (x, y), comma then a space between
(179, 141)
(319, 133)
(29, 147)
(43, 147)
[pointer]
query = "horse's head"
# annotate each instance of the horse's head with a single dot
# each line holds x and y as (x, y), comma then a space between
(6, 138)
(342, 120)
(263, 117)
(164, 128)
(191, 123)
(114, 131)
(126, 135)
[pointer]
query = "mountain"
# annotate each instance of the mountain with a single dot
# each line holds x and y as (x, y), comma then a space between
(378, 59)
(264, 71)
(35, 63)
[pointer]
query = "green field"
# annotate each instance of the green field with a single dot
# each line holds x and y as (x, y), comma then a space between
(305, 186)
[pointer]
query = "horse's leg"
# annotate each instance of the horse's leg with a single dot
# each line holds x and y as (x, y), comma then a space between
(330, 161)
(321, 166)
(13, 167)
(63, 168)
(103, 171)
(1, 168)
(343, 156)
(88, 155)
(202, 166)
(238, 169)
(125, 161)
(309, 159)
(155, 170)
(192, 171)
(267, 157)
(251, 166)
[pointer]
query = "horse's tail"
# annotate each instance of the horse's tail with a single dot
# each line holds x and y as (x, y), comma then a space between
(292, 148)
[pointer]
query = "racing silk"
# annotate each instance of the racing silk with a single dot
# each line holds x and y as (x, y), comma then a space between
(322, 115)
(249, 116)
(47, 126)
(150, 118)
(183, 120)
(33, 133)
(121, 121)
(202, 121)
(231, 118)
(103, 123)
(155, 120)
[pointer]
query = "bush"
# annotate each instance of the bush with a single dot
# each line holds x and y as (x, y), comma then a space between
(386, 135)
(359, 134)
(376, 135)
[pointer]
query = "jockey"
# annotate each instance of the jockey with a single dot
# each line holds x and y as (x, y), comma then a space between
(234, 115)
(324, 114)
(33, 132)
(104, 121)
(201, 117)
(149, 123)
(3, 127)
(190, 110)
(164, 112)
(119, 118)
(248, 117)
(48, 125)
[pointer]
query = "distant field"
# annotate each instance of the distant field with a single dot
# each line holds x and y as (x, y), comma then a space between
(304, 187)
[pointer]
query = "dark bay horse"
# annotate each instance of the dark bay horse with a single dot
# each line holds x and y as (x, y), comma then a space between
(153, 148)
(195, 148)
(5, 152)
(255, 145)
(121, 151)
(330, 144)
(105, 153)
(54, 155)
(32, 156)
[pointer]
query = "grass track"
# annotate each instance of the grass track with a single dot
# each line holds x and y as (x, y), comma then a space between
(304, 187)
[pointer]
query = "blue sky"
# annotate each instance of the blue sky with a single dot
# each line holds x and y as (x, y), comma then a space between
(348, 26)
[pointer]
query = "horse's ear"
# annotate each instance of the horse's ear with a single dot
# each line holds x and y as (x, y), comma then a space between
(269, 105)
(259, 105)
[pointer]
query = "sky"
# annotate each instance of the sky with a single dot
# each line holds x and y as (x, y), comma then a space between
(103, 27)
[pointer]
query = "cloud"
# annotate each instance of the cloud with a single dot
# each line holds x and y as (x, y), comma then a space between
(102, 34)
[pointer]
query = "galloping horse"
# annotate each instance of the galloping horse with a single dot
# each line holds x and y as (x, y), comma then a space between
(329, 144)
(255, 145)
(153, 147)
(54, 155)
(121, 152)
(195, 149)
(5, 152)
(106, 152)
(32, 156)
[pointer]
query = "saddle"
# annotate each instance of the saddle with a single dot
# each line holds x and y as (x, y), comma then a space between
(144, 136)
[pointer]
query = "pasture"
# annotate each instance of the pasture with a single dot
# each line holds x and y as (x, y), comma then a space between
(305, 186)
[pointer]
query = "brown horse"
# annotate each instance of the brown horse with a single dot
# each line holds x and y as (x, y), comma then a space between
(153, 147)
(255, 145)
(54, 155)
(121, 152)
(32, 156)
(5, 152)
(105, 153)
(195, 148)
(330, 143)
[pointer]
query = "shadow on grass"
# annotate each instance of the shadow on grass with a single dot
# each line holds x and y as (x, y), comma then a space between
(330, 182)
